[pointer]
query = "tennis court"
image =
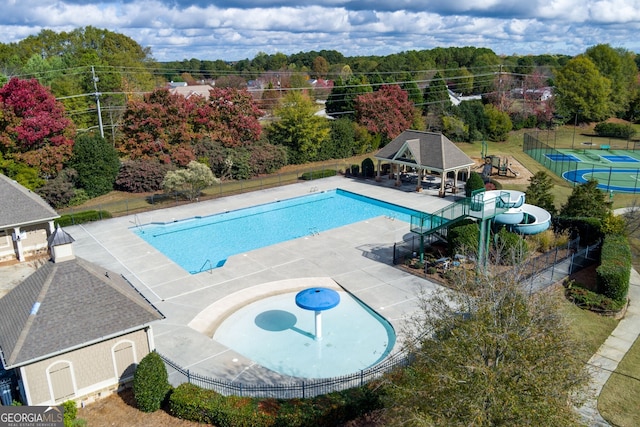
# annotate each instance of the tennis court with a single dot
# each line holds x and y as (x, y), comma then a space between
(616, 170)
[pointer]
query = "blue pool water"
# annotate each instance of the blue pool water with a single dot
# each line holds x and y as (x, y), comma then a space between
(279, 335)
(202, 243)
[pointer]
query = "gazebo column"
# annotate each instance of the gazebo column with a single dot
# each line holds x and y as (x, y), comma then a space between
(378, 171)
(18, 244)
(419, 183)
(398, 183)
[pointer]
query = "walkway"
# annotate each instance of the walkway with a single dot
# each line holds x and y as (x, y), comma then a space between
(605, 361)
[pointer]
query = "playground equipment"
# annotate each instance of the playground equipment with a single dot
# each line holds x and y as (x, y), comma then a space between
(501, 165)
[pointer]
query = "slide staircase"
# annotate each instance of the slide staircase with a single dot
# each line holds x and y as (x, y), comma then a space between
(481, 205)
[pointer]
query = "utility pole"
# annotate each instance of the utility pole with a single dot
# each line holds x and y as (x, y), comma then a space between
(97, 95)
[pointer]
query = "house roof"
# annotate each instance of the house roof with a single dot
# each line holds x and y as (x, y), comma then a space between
(21, 206)
(188, 91)
(67, 305)
(425, 150)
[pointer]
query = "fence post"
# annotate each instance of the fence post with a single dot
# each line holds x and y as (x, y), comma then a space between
(303, 390)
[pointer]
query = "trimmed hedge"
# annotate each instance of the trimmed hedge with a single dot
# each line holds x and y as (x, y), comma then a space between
(81, 217)
(193, 403)
(590, 300)
(614, 271)
(324, 173)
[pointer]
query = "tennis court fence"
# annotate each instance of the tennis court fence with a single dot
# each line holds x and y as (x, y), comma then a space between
(562, 163)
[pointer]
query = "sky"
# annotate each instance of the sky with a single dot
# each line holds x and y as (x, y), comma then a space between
(239, 29)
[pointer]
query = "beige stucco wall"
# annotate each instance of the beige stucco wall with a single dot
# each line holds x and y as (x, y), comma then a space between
(35, 242)
(93, 369)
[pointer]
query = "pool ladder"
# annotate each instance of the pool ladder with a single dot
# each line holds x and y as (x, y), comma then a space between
(313, 189)
(210, 269)
(392, 217)
(314, 231)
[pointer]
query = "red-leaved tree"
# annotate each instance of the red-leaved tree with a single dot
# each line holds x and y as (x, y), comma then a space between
(230, 117)
(387, 111)
(34, 128)
(165, 126)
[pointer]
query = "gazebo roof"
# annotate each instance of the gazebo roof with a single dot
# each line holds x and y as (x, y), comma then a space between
(425, 150)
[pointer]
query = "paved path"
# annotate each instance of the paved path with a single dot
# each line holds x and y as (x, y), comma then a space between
(605, 361)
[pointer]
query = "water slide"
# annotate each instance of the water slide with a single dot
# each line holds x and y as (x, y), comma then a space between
(521, 217)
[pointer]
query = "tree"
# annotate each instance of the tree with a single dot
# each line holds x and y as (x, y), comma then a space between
(488, 352)
(586, 200)
(436, 95)
(320, 67)
(97, 164)
(619, 67)
(539, 192)
(499, 123)
(231, 117)
(190, 181)
(298, 128)
(34, 128)
(341, 101)
(582, 92)
(150, 383)
(387, 111)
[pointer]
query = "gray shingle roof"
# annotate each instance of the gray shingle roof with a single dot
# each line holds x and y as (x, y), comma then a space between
(66, 305)
(20, 206)
(426, 150)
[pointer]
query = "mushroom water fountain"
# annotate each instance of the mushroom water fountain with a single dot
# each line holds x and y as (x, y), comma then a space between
(317, 300)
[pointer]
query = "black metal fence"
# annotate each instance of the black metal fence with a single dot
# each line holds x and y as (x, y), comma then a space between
(295, 389)
(136, 204)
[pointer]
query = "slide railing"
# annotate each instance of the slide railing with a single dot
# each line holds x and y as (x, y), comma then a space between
(480, 205)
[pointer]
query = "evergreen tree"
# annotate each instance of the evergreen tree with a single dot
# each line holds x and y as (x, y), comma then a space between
(97, 164)
(538, 192)
(586, 200)
(436, 95)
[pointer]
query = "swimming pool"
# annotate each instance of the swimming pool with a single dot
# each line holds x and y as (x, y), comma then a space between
(202, 243)
(279, 335)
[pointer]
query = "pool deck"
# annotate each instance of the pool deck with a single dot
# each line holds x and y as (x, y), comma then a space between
(357, 257)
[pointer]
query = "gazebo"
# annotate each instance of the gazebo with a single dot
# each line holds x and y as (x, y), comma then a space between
(425, 152)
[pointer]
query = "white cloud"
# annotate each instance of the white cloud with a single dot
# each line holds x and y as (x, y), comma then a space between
(175, 29)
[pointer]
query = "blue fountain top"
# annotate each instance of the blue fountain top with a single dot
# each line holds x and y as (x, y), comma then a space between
(317, 299)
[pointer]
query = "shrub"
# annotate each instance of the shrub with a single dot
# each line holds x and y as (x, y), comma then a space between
(590, 300)
(141, 176)
(150, 383)
(614, 271)
(463, 239)
(81, 217)
(510, 248)
(615, 130)
(475, 182)
(324, 173)
(267, 158)
(70, 412)
(60, 190)
(367, 167)
(193, 403)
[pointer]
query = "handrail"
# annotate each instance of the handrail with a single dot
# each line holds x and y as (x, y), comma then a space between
(209, 269)
(476, 206)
